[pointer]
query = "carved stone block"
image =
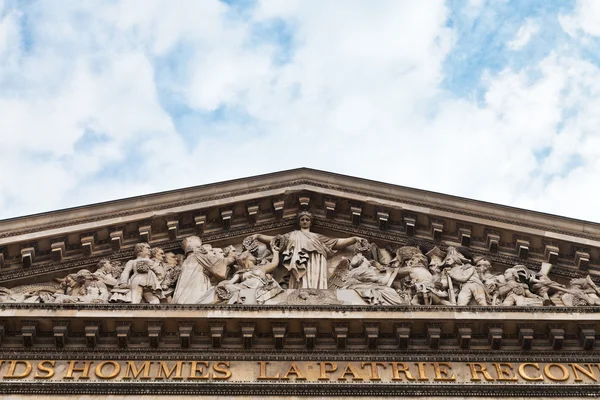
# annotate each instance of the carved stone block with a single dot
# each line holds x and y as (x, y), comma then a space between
(493, 241)
(58, 250)
(123, 331)
(200, 221)
(310, 334)
(495, 333)
(587, 336)
(217, 328)
(464, 235)
(437, 229)
(340, 333)
(2, 259)
(116, 240)
(403, 335)
(304, 202)
(279, 332)
(410, 224)
(28, 256)
(522, 248)
(252, 210)
(154, 332)
(145, 233)
(92, 333)
(356, 215)
(330, 208)
(226, 217)
(551, 254)
(87, 245)
(582, 259)
(526, 336)
(247, 333)
(173, 229)
(372, 334)
(557, 337)
(383, 220)
(28, 332)
(278, 208)
(463, 336)
(186, 333)
(434, 334)
(60, 332)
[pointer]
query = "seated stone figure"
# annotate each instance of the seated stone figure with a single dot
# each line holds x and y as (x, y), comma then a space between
(369, 279)
(251, 283)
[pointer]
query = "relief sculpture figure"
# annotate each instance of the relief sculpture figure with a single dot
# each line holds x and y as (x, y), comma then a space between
(305, 254)
(201, 267)
(139, 279)
(251, 283)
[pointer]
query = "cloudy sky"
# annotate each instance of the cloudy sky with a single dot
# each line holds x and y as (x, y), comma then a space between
(488, 99)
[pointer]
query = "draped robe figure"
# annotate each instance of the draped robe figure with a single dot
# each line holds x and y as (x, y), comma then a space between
(194, 285)
(305, 257)
(305, 253)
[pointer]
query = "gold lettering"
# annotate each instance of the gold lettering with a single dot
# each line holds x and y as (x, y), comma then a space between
(374, 371)
(441, 373)
(479, 368)
(132, 369)
(48, 369)
(222, 367)
(113, 374)
(526, 376)
(294, 370)
(396, 371)
(198, 369)
(168, 372)
(550, 375)
(349, 371)
(13, 366)
(505, 372)
(578, 368)
(263, 371)
(85, 370)
(326, 371)
(422, 375)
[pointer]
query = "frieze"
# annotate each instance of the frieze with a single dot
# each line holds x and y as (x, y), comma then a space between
(304, 268)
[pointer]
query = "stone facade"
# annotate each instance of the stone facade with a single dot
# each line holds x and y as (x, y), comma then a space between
(300, 282)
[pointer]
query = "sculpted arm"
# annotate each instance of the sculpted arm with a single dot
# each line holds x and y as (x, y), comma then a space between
(270, 267)
(343, 243)
(266, 239)
(124, 278)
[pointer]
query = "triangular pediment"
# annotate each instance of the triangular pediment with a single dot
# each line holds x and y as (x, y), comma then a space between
(47, 247)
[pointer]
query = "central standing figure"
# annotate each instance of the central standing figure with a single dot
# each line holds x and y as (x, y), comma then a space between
(305, 254)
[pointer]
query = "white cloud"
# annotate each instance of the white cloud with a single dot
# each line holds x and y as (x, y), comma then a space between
(360, 94)
(586, 18)
(526, 31)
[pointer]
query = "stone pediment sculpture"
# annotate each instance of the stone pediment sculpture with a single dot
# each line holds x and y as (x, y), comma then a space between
(261, 242)
(285, 271)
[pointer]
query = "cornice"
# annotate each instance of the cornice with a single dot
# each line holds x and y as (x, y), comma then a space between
(371, 190)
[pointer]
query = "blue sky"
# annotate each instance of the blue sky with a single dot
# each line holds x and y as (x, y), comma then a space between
(495, 100)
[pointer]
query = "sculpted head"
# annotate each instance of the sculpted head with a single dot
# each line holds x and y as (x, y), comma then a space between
(483, 265)
(230, 254)
(142, 250)
(158, 254)
(305, 219)
(191, 243)
(245, 260)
